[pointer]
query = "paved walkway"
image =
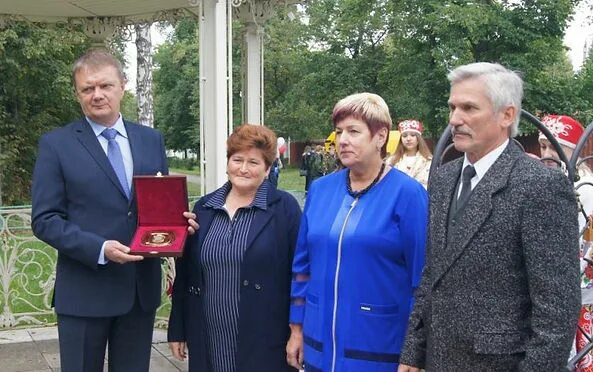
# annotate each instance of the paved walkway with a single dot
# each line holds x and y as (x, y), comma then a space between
(190, 177)
(37, 350)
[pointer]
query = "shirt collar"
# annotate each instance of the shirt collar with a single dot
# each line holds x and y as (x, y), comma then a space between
(119, 126)
(482, 165)
(218, 198)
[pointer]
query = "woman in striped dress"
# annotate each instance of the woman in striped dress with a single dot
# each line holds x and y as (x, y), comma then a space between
(232, 291)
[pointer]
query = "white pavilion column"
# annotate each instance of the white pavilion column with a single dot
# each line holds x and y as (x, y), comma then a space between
(252, 69)
(214, 92)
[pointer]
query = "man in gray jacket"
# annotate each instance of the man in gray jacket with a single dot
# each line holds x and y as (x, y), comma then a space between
(500, 289)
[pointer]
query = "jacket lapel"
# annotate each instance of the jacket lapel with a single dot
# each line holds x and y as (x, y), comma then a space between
(261, 219)
(476, 211)
(135, 146)
(87, 138)
(442, 196)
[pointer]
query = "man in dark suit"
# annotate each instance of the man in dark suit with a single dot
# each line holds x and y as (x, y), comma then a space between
(83, 206)
(500, 290)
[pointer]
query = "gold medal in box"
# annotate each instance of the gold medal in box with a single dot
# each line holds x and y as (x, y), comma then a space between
(158, 239)
(162, 229)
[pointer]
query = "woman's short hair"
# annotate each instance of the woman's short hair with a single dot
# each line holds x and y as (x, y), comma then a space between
(97, 58)
(504, 87)
(367, 107)
(249, 136)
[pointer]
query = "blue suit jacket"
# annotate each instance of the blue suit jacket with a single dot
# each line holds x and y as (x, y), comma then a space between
(78, 203)
(265, 288)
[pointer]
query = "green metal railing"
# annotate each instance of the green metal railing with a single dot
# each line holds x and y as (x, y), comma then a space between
(27, 274)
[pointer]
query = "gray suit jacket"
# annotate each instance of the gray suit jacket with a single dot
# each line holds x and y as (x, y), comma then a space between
(500, 291)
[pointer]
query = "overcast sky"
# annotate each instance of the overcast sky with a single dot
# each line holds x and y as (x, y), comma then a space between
(579, 32)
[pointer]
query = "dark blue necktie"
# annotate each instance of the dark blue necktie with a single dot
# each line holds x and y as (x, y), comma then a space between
(116, 159)
(466, 185)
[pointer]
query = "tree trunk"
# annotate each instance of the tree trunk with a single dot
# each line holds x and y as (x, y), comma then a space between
(144, 75)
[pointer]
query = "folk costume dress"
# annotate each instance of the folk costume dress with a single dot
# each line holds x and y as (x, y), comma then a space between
(417, 167)
(362, 258)
(585, 196)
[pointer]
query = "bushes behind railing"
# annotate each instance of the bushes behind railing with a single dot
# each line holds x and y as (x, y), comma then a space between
(27, 275)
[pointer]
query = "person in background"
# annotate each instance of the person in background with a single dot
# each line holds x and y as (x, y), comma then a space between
(305, 165)
(500, 288)
(360, 251)
(568, 131)
(316, 169)
(231, 295)
(84, 207)
(330, 164)
(274, 175)
(412, 155)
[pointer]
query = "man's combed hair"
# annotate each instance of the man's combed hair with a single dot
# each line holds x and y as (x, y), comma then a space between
(95, 59)
(504, 87)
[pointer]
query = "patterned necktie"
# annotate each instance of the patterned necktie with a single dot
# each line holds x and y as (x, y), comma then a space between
(466, 185)
(116, 159)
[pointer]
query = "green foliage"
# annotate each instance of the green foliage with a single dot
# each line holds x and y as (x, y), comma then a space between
(176, 88)
(403, 50)
(129, 107)
(290, 180)
(309, 68)
(430, 38)
(178, 163)
(400, 49)
(36, 95)
(585, 90)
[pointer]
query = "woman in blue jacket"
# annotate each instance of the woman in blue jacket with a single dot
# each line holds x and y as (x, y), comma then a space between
(231, 294)
(360, 251)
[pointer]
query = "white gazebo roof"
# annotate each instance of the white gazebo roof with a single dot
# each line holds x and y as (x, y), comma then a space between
(64, 10)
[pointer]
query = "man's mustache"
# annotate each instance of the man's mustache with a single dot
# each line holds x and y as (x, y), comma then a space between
(455, 131)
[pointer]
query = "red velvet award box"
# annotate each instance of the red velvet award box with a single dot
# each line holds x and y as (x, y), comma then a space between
(162, 229)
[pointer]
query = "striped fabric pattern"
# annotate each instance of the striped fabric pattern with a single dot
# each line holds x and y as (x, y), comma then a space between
(221, 255)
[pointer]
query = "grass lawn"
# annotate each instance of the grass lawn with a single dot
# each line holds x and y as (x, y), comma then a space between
(290, 180)
(195, 172)
(193, 189)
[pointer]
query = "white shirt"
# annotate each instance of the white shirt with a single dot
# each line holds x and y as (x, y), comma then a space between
(482, 165)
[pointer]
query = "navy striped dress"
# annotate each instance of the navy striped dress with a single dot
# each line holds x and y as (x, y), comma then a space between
(222, 254)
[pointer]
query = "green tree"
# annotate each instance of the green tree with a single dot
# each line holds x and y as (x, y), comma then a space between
(36, 95)
(176, 89)
(431, 37)
(585, 89)
(331, 50)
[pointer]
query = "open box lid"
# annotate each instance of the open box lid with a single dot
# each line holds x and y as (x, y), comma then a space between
(161, 200)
